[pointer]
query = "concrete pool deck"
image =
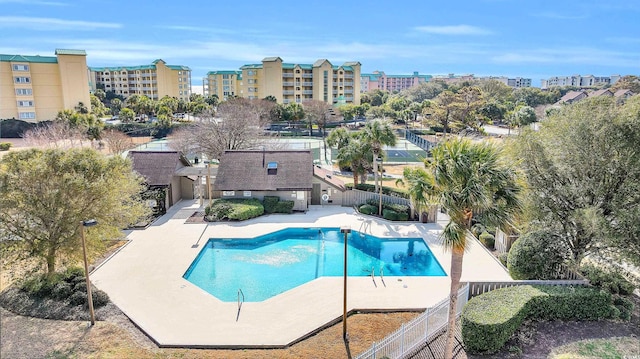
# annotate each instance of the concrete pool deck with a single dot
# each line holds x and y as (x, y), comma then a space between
(144, 279)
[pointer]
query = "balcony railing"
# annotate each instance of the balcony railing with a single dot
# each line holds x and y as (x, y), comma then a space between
(307, 76)
(287, 75)
(307, 92)
(307, 84)
(287, 92)
(288, 83)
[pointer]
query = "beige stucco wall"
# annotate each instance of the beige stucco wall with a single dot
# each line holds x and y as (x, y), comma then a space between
(318, 82)
(335, 195)
(272, 83)
(186, 188)
(8, 100)
(73, 80)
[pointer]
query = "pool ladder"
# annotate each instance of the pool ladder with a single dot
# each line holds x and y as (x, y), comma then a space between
(373, 276)
(240, 295)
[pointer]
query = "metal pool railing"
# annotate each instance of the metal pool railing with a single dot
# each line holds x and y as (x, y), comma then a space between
(417, 332)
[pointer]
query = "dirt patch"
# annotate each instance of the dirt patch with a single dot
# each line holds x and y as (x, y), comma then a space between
(196, 217)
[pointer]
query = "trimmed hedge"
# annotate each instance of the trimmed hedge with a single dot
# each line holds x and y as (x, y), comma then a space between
(400, 208)
(607, 279)
(392, 215)
(284, 207)
(536, 254)
(236, 209)
(389, 191)
(270, 203)
(368, 209)
(490, 319)
(487, 239)
(5, 146)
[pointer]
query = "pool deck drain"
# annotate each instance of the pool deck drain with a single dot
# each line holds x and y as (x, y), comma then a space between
(145, 281)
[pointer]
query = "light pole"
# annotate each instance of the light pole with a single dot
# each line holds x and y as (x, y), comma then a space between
(345, 230)
(88, 223)
(379, 159)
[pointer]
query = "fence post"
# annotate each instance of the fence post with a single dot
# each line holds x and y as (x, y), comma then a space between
(402, 340)
(426, 324)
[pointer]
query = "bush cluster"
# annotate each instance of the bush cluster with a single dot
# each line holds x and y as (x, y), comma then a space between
(69, 286)
(235, 209)
(389, 191)
(607, 279)
(488, 320)
(536, 255)
(390, 211)
(5, 146)
(487, 239)
(273, 204)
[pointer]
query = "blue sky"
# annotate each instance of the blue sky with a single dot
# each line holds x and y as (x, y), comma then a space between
(528, 38)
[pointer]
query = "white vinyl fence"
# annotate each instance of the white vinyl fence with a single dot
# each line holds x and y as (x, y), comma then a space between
(416, 333)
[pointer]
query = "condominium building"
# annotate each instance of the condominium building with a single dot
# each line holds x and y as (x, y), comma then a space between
(36, 88)
(289, 82)
(579, 81)
(224, 84)
(378, 80)
(154, 81)
(515, 82)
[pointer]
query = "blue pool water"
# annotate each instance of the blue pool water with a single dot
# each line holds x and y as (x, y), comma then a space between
(268, 265)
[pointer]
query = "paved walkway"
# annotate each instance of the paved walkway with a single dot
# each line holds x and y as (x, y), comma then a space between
(145, 280)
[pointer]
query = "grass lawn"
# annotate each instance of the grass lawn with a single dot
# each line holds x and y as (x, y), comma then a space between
(610, 348)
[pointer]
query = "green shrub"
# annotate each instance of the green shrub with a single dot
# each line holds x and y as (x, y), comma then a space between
(5, 146)
(78, 298)
(390, 214)
(62, 290)
(400, 208)
(284, 207)
(625, 306)
(502, 257)
(403, 216)
(270, 203)
(368, 209)
(536, 255)
(243, 209)
(218, 211)
(389, 191)
(40, 285)
(607, 279)
(100, 298)
(488, 320)
(487, 239)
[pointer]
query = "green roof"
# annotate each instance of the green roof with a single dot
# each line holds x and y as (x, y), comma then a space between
(302, 66)
(179, 67)
(141, 67)
(251, 66)
(225, 72)
(346, 68)
(371, 76)
(70, 52)
(22, 58)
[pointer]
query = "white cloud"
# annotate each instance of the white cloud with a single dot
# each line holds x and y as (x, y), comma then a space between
(453, 30)
(48, 24)
(573, 55)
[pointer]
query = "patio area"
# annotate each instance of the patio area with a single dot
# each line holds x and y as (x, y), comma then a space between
(144, 279)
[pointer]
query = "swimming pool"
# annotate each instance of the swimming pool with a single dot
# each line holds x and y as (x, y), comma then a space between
(269, 265)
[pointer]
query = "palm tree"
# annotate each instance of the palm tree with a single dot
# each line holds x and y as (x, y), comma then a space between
(377, 134)
(419, 184)
(470, 178)
(357, 155)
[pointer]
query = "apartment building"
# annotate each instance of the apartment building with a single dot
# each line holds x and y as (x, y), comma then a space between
(289, 82)
(378, 80)
(579, 81)
(224, 84)
(154, 81)
(515, 82)
(36, 88)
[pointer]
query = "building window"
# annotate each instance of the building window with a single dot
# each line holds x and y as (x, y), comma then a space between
(225, 76)
(252, 81)
(27, 115)
(251, 73)
(24, 92)
(22, 80)
(25, 103)
(272, 168)
(179, 79)
(20, 67)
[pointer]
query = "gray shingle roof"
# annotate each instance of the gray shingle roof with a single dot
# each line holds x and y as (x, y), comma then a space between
(247, 171)
(327, 176)
(157, 167)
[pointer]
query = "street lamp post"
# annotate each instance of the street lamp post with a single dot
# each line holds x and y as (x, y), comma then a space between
(345, 230)
(83, 224)
(379, 159)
